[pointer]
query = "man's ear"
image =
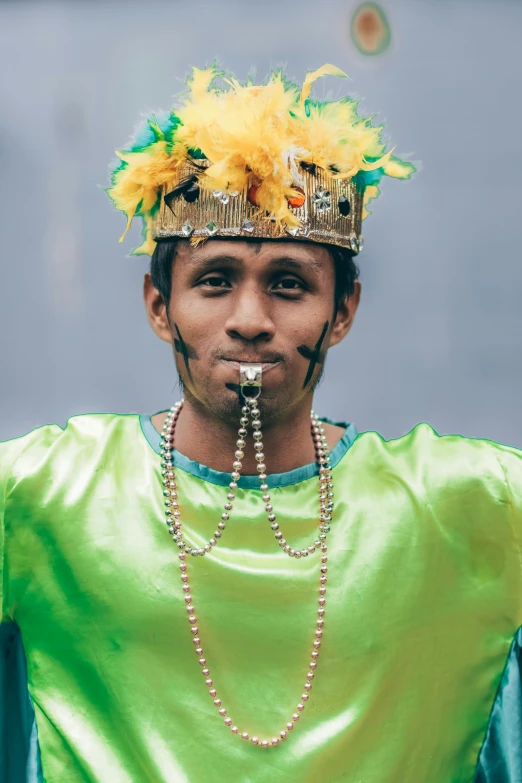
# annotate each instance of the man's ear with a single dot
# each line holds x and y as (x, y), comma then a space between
(156, 310)
(345, 315)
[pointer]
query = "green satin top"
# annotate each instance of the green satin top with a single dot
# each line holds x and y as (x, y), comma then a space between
(424, 600)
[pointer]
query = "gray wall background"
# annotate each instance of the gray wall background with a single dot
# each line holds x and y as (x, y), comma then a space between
(439, 333)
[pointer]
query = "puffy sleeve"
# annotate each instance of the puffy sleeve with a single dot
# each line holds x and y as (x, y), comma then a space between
(19, 755)
(514, 470)
(13, 725)
(18, 458)
(511, 463)
(9, 451)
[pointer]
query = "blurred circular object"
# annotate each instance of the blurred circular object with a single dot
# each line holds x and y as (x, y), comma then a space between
(370, 29)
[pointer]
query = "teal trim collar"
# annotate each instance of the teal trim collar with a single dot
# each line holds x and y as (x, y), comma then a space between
(250, 482)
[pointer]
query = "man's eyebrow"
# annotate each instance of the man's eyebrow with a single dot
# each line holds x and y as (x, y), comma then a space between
(203, 263)
(299, 264)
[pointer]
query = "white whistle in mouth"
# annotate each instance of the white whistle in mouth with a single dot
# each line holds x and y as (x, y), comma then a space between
(250, 375)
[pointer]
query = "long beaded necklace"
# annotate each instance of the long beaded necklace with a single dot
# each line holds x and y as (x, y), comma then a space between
(173, 516)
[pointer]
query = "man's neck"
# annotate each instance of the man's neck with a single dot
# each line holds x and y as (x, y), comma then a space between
(212, 442)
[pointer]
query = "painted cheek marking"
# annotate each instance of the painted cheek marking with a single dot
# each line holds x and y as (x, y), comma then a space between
(235, 387)
(185, 350)
(315, 355)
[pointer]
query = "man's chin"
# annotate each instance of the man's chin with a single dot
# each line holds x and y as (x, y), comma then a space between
(226, 400)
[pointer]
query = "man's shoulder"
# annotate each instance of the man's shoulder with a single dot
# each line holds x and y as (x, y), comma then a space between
(81, 433)
(423, 441)
(449, 460)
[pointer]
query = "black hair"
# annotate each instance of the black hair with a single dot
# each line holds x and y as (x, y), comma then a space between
(346, 273)
(346, 270)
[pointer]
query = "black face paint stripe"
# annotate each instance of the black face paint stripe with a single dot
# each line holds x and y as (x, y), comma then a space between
(185, 350)
(315, 356)
(235, 387)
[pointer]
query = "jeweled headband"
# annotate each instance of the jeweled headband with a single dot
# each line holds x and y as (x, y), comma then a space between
(261, 161)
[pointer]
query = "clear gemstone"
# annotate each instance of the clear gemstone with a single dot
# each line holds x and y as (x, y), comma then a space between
(187, 229)
(212, 228)
(322, 200)
(361, 243)
(225, 197)
(221, 196)
(247, 225)
(354, 244)
(293, 231)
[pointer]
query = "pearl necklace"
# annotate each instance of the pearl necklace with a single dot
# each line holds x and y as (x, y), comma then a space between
(173, 515)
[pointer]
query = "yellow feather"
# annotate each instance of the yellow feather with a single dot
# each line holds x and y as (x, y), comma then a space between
(197, 241)
(399, 169)
(370, 192)
(377, 164)
(201, 80)
(324, 70)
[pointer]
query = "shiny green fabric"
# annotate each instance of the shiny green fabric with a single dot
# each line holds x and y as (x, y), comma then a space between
(424, 598)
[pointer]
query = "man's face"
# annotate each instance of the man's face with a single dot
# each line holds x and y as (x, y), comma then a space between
(236, 301)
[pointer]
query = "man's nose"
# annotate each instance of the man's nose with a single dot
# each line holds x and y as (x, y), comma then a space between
(250, 319)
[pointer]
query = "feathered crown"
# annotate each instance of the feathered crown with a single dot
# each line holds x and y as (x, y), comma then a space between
(254, 161)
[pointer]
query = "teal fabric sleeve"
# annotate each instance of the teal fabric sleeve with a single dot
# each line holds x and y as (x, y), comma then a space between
(500, 759)
(19, 750)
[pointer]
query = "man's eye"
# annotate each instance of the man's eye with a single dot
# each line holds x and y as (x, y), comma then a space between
(214, 282)
(289, 284)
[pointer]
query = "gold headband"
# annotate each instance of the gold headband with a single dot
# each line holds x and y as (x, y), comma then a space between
(329, 210)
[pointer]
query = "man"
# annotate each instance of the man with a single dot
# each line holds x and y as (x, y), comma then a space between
(320, 605)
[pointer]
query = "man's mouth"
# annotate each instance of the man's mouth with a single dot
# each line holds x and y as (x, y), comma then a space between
(235, 363)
